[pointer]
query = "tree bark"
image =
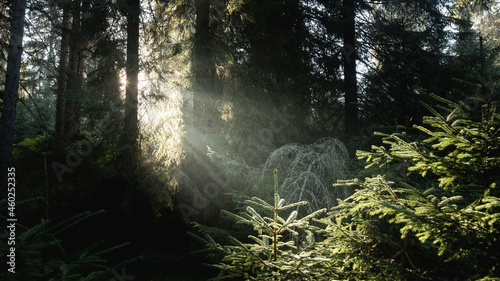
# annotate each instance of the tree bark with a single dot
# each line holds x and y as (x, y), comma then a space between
(203, 66)
(349, 58)
(63, 69)
(71, 122)
(131, 126)
(77, 45)
(11, 88)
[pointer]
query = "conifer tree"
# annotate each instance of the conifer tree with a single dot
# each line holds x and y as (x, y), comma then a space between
(11, 94)
(62, 69)
(442, 210)
(309, 171)
(406, 44)
(268, 256)
(131, 121)
(349, 59)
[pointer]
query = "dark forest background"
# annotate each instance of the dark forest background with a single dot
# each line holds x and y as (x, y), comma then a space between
(131, 123)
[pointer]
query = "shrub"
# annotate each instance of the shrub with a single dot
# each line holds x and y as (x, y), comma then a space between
(309, 171)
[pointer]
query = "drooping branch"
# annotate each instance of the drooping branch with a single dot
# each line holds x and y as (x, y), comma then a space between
(310, 171)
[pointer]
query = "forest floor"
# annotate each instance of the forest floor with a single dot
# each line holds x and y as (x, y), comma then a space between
(170, 266)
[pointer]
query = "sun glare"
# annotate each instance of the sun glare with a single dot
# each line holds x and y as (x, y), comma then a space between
(143, 81)
(161, 118)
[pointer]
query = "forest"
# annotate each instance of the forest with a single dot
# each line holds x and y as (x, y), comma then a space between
(165, 140)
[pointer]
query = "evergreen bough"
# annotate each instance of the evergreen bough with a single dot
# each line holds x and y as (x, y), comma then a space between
(267, 256)
(41, 255)
(309, 171)
(438, 220)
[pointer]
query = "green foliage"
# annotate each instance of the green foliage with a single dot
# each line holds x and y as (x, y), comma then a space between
(41, 255)
(29, 146)
(447, 213)
(309, 171)
(268, 256)
(413, 56)
(437, 219)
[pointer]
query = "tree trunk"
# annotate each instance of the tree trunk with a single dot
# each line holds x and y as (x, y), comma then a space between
(203, 67)
(71, 122)
(77, 45)
(63, 69)
(11, 88)
(350, 83)
(131, 127)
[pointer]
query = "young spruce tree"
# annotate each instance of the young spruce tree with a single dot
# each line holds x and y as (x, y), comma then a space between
(268, 256)
(440, 219)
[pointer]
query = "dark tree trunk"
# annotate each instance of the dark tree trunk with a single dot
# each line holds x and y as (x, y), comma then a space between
(77, 45)
(11, 88)
(71, 122)
(203, 66)
(131, 127)
(350, 83)
(63, 69)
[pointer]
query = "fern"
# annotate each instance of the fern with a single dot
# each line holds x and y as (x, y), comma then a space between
(45, 257)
